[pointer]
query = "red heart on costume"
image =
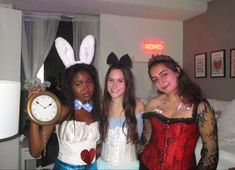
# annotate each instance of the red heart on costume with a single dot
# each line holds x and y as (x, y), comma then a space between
(88, 156)
(217, 64)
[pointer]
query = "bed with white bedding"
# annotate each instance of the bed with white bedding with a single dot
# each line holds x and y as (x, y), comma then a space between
(226, 154)
(225, 114)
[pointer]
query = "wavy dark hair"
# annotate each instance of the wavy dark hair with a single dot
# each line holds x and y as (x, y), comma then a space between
(189, 91)
(67, 80)
(129, 104)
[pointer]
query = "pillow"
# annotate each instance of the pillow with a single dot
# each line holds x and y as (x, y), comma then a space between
(218, 105)
(218, 115)
(227, 121)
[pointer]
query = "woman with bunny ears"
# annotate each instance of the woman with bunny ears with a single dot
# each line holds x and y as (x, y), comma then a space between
(78, 131)
(121, 122)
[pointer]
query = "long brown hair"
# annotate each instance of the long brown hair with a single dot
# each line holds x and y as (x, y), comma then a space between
(128, 103)
(189, 91)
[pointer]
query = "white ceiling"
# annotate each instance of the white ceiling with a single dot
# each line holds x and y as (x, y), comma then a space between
(157, 9)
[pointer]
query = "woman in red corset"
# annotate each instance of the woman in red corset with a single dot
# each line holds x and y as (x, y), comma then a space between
(175, 119)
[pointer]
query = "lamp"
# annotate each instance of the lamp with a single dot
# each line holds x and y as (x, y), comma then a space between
(9, 108)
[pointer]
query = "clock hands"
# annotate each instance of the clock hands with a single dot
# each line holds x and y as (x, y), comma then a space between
(44, 106)
(48, 105)
(40, 104)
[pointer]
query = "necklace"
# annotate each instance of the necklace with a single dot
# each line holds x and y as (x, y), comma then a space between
(158, 110)
(183, 107)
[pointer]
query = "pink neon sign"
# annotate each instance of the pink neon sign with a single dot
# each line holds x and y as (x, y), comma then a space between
(149, 46)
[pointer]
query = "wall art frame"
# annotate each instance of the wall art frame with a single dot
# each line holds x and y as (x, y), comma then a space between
(217, 60)
(232, 63)
(200, 65)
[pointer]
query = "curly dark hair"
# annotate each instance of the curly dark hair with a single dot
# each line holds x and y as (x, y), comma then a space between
(129, 104)
(189, 91)
(67, 80)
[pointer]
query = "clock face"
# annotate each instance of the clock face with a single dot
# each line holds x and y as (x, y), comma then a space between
(43, 108)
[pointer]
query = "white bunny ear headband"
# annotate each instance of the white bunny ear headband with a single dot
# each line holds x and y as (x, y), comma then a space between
(66, 53)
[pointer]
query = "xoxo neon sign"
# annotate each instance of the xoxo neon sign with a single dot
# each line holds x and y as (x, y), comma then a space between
(152, 46)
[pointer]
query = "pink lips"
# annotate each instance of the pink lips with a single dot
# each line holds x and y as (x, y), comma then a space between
(164, 87)
(87, 95)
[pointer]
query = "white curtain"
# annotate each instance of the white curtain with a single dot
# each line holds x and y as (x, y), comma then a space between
(38, 34)
(82, 26)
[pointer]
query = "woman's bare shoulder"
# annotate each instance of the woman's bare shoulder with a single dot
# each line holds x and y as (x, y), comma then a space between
(140, 106)
(63, 113)
(152, 103)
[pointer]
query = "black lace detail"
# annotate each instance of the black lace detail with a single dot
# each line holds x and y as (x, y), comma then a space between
(145, 137)
(167, 120)
(208, 130)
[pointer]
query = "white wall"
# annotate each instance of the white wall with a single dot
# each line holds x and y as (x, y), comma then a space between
(10, 44)
(123, 35)
(9, 154)
(10, 50)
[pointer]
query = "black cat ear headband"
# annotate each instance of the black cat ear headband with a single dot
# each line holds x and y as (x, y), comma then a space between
(124, 60)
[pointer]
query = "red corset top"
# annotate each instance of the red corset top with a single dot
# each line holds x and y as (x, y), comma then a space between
(172, 143)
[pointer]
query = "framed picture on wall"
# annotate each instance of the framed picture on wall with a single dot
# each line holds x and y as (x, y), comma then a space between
(232, 63)
(218, 63)
(200, 65)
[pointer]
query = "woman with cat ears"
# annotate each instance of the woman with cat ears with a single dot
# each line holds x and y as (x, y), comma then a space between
(121, 122)
(78, 131)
